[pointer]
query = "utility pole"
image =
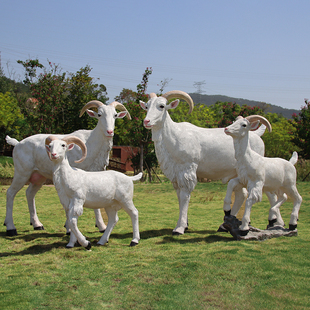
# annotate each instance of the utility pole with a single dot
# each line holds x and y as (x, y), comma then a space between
(198, 85)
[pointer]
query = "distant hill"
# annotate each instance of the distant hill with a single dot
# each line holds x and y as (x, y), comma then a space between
(212, 99)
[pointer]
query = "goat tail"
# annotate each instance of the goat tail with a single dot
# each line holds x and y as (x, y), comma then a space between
(261, 130)
(294, 158)
(11, 141)
(137, 177)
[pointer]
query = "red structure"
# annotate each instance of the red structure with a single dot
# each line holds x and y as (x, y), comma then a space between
(120, 158)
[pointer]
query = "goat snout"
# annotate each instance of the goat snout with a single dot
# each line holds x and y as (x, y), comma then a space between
(146, 123)
(110, 132)
(54, 155)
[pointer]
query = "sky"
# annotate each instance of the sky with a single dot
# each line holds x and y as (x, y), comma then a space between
(250, 49)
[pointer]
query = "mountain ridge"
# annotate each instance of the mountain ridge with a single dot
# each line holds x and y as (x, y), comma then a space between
(267, 107)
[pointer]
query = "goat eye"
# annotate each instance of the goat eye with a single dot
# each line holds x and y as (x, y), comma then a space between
(115, 115)
(63, 145)
(244, 125)
(161, 106)
(99, 115)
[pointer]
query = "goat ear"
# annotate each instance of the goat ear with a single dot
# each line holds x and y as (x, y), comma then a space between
(70, 146)
(92, 113)
(254, 125)
(121, 114)
(173, 104)
(143, 105)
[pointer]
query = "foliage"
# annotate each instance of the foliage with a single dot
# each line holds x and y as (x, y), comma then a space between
(133, 132)
(10, 116)
(278, 143)
(301, 135)
(31, 66)
(59, 98)
(202, 269)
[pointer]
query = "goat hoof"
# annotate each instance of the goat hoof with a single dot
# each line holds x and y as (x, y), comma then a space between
(222, 229)
(39, 228)
(271, 223)
(69, 247)
(68, 233)
(102, 231)
(88, 247)
(175, 233)
(292, 227)
(11, 232)
(227, 213)
(243, 232)
(132, 243)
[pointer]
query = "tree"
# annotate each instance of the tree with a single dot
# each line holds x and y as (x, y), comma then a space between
(133, 132)
(60, 97)
(301, 135)
(10, 116)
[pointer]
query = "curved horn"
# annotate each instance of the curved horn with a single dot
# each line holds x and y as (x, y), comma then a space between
(91, 104)
(80, 143)
(180, 95)
(152, 95)
(121, 107)
(263, 120)
(48, 140)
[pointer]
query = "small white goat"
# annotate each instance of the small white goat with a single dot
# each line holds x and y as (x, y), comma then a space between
(31, 163)
(258, 173)
(76, 188)
(185, 152)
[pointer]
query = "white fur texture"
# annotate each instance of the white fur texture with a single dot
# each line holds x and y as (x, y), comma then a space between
(258, 174)
(77, 188)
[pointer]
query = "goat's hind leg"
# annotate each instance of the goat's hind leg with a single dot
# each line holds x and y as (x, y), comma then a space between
(112, 220)
(17, 184)
(30, 194)
(297, 200)
(275, 218)
(132, 211)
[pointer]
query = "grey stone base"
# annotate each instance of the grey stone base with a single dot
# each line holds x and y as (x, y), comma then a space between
(231, 224)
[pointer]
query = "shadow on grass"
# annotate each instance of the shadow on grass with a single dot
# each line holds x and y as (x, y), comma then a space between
(166, 235)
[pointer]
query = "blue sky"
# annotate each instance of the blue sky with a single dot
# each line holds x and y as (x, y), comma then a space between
(257, 50)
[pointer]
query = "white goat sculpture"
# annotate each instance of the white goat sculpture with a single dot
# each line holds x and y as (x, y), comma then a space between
(258, 173)
(185, 152)
(76, 188)
(31, 163)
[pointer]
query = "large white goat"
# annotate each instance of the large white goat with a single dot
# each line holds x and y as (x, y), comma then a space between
(31, 163)
(258, 173)
(185, 152)
(76, 188)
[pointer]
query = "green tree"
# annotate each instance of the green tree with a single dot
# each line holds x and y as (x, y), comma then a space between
(10, 116)
(133, 132)
(301, 135)
(278, 143)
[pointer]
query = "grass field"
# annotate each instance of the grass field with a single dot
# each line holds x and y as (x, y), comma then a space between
(202, 269)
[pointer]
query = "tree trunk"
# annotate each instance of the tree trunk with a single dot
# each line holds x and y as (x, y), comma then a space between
(141, 157)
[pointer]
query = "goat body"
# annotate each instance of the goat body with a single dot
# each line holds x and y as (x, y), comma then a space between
(77, 188)
(261, 174)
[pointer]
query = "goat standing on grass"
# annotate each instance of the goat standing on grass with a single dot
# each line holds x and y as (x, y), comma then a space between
(31, 163)
(76, 188)
(258, 173)
(185, 152)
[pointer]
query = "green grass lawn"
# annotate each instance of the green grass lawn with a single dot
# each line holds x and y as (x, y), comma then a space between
(202, 269)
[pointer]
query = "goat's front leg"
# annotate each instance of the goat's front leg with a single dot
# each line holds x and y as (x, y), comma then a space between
(134, 215)
(255, 195)
(240, 195)
(112, 220)
(184, 198)
(75, 210)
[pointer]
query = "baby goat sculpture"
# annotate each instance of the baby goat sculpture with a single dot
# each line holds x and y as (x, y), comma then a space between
(258, 173)
(76, 188)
